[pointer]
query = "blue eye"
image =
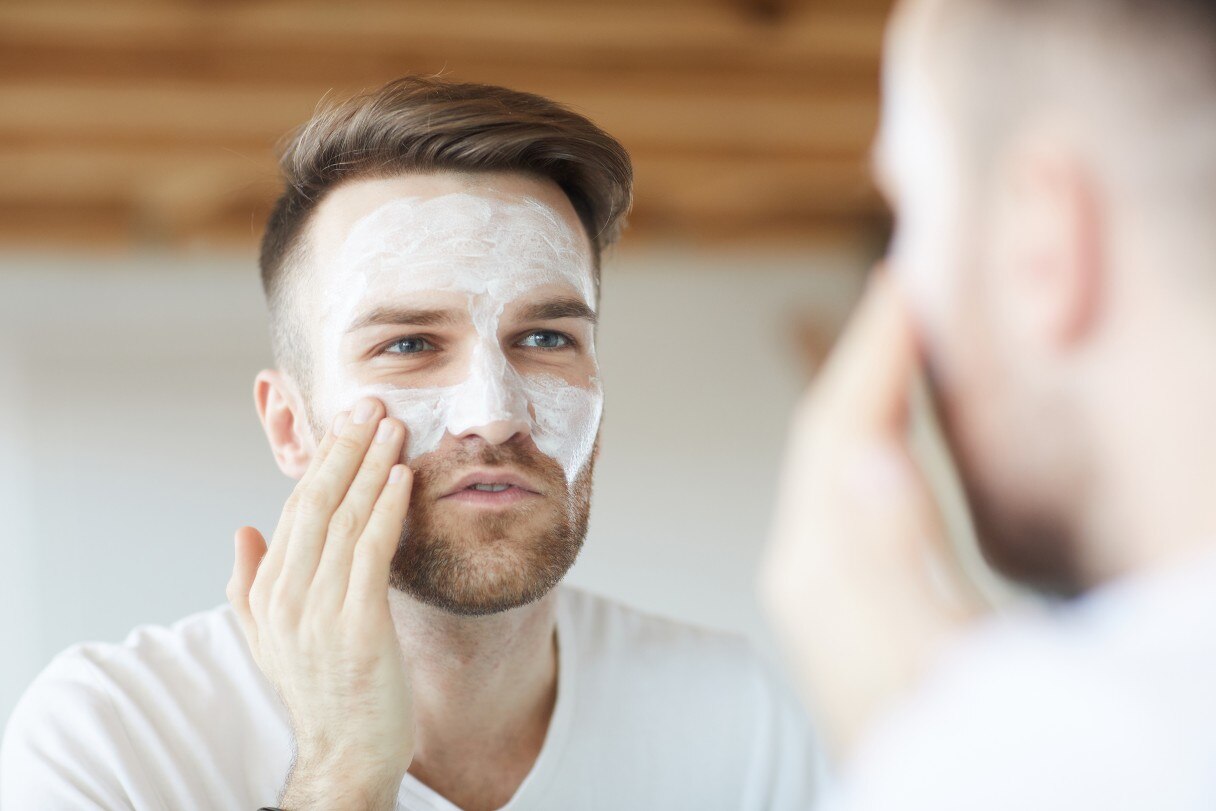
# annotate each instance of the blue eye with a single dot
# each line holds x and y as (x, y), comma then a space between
(409, 346)
(546, 340)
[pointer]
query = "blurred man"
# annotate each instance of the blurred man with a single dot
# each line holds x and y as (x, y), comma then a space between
(1052, 164)
(432, 271)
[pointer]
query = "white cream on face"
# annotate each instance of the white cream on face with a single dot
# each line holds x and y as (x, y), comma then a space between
(916, 149)
(493, 253)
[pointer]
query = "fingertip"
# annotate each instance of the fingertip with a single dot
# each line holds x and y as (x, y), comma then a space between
(249, 541)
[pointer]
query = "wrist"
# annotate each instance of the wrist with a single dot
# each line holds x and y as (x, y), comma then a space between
(322, 785)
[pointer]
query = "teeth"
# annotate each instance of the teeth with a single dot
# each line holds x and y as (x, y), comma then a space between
(490, 488)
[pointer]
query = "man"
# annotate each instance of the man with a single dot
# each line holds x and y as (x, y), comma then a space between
(432, 271)
(1053, 170)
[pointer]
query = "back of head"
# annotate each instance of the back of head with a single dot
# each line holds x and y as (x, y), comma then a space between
(1134, 80)
(428, 124)
(1055, 170)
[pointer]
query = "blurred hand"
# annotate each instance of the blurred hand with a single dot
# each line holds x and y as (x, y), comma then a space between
(315, 612)
(846, 577)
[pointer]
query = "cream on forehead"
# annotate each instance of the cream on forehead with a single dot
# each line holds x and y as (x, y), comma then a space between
(466, 243)
(493, 252)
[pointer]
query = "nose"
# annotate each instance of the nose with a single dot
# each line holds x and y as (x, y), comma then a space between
(490, 405)
(498, 432)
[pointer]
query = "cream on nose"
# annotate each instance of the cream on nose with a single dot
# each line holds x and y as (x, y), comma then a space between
(496, 433)
(491, 402)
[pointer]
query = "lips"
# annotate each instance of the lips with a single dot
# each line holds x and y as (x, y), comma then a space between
(492, 481)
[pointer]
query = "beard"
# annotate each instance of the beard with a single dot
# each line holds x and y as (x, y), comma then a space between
(473, 563)
(1026, 539)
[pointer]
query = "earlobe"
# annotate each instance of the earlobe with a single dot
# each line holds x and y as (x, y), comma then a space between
(284, 419)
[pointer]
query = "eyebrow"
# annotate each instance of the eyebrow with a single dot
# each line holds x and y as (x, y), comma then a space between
(384, 316)
(554, 309)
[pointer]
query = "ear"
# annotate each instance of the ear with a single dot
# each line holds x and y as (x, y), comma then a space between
(285, 421)
(1054, 267)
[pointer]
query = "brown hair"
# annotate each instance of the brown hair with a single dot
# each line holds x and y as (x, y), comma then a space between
(427, 124)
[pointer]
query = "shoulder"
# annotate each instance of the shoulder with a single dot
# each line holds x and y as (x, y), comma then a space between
(1048, 714)
(605, 629)
(161, 684)
(685, 667)
(692, 693)
(98, 712)
(203, 650)
(189, 649)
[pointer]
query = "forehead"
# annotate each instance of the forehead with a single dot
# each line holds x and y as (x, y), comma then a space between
(481, 234)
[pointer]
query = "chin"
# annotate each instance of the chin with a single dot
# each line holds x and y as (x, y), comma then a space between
(472, 561)
(1020, 534)
(480, 570)
(1030, 547)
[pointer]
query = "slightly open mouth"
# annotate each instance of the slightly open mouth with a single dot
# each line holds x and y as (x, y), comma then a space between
(491, 495)
(489, 488)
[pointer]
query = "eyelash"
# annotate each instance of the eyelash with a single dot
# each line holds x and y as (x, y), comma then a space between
(569, 339)
(571, 343)
(387, 350)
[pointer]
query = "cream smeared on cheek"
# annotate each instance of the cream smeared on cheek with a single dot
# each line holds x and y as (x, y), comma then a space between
(492, 253)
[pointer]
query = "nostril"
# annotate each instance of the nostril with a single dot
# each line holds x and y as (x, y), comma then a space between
(496, 433)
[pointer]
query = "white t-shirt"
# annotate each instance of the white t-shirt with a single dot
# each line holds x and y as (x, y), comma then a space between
(650, 714)
(1108, 703)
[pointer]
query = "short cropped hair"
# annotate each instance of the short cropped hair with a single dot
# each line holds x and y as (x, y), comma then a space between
(1140, 73)
(428, 124)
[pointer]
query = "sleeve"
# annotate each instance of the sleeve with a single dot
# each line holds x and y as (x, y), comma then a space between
(1014, 732)
(64, 746)
(788, 769)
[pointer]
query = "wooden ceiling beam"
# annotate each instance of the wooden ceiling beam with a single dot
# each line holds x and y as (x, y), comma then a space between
(154, 121)
(758, 122)
(714, 32)
(99, 225)
(285, 65)
(692, 182)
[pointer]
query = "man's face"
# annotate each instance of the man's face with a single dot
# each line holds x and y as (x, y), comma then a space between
(946, 252)
(467, 304)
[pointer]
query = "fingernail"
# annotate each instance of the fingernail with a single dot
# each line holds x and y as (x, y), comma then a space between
(363, 411)
(396, 473)
(385, 430)
(339, 421)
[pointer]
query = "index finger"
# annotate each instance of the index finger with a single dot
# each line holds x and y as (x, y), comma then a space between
(273, 563)
(868, 377)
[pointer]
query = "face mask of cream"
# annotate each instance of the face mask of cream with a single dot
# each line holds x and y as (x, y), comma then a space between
(492, 253)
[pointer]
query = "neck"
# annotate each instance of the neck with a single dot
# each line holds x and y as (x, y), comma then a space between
(484, 689)
(1155, 502)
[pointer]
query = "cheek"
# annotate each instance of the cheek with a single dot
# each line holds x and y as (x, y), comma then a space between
(566, 421)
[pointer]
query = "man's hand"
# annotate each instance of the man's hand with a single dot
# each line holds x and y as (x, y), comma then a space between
(314, 609)
(847, 576)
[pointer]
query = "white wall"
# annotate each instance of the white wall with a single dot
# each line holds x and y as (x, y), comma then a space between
(130, 451)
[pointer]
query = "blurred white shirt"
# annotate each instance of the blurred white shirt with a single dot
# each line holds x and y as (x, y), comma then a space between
(1105, 703)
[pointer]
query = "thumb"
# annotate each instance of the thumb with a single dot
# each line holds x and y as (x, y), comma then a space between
(868, 375)
(250, 549)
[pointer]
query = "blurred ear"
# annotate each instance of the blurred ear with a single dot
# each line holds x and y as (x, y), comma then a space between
(285, 421)
(1054, 265)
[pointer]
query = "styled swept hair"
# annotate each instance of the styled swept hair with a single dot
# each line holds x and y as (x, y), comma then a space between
(428, 124)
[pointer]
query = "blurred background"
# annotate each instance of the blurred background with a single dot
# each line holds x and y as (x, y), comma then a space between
(137, 163)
